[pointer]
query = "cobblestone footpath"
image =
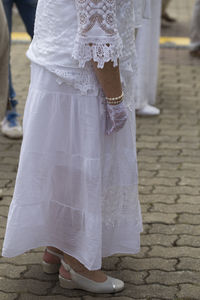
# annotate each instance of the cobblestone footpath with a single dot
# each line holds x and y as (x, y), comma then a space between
(168, 266)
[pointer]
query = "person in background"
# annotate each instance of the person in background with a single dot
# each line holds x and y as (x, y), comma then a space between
(165, 16)
(10, 125)
(4, 56)
(195, 31)
(147, 44)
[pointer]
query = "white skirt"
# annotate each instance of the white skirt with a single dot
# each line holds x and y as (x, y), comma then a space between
(76, 188)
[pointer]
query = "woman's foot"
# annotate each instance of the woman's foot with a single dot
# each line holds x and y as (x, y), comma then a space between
(51, 260)
(97, 276)
(74, 275)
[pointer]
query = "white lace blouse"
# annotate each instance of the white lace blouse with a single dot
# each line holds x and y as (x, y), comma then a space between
(69, 33)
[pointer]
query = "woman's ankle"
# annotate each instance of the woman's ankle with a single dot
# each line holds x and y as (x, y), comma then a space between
(79, 268)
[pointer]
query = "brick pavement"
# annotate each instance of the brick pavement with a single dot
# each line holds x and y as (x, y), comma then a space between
(168, 266)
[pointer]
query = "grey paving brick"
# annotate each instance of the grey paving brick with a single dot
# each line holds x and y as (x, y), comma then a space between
(158, 239)
(190, 291)
(8, 296)
(150, 290)
(8, 270)
(169, 252)
(24, 286)
(155, 217)
(149, 263)
(173, 278)
(192, 264)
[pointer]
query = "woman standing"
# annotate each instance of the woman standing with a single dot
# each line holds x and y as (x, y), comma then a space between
(147, 43)
(76, 188)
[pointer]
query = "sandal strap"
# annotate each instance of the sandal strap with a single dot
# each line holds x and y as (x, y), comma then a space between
(54, 253)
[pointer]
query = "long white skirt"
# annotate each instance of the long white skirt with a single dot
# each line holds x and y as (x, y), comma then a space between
(147, 43)
(76, 188)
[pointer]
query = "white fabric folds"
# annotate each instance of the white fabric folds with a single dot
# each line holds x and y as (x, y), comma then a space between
(76, 188)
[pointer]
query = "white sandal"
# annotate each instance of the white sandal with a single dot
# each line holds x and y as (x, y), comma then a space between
(51, 268)
(111, 285)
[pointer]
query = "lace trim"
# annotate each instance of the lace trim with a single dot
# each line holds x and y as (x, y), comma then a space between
(82, 79)
(100, 50)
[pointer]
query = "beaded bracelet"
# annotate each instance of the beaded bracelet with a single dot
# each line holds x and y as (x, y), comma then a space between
(116, 100)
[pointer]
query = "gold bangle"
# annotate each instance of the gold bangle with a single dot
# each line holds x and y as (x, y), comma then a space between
(116, 98)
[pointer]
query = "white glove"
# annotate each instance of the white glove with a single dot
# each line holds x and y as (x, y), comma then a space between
(116, 117)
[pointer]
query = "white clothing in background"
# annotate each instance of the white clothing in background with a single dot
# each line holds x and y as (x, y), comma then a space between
(147, 44)
(76, 188)
(195, 28)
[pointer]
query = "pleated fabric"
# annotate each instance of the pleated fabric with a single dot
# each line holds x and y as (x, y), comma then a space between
(76, 188)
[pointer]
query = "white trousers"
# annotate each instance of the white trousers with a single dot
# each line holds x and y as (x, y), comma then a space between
(195, 28)
(147, 43)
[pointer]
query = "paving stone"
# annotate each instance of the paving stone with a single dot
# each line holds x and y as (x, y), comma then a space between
(24, 286)
(147, 159)
(147, 174)
(8, 296)
(36, 272)
(110, 298)
(178, 174)
(173, 278)
(8, 270)
(190, 291)
(192, 264)
(176, 208)
(158, 239)
(54, 297)
(158, 166)
(154, 217)
(24, 259)
(144, 189)
(169, 252)
(3, 221)
(178, 190)
(2, 232)
(175, 229)
(109, 263)
(189, 181)
(143, 253)
(157, 138)
(150, 290)
(188, 240)
(159, 181)
(4, 211)
(155, 198)
(189, 218)
(179, 146)
(158, 152)
(5, 201)
(188, 199)
(149, 263)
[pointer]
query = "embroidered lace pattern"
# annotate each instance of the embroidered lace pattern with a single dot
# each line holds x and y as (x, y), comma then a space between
(98, 36)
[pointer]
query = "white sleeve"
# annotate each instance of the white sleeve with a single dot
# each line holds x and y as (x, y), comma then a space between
(97, 37)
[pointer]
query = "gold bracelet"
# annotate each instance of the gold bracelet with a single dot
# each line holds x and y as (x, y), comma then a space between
(116, 98)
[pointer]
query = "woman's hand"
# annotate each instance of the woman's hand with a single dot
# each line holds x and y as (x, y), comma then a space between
(116, 117)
